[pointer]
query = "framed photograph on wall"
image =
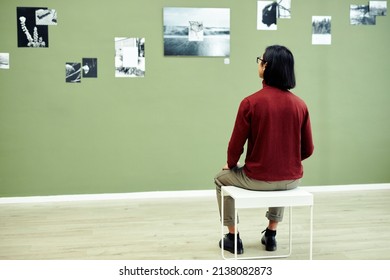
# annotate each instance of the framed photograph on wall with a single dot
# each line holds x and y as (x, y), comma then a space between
(321, 30)
(196, 32)
(73, 72)
(4, 60)
(129, 57)
(378, 8)
(89, 67)
(284, 9)
(267, 15)
(360, 15)
(46, 17)
(31, 34)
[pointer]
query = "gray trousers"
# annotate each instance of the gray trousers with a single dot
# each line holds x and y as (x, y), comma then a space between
(236, 177)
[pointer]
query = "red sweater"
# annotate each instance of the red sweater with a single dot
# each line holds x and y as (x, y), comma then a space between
(276, 125)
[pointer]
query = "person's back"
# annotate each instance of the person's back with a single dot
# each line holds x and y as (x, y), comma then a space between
(275, 125)
(275, 119)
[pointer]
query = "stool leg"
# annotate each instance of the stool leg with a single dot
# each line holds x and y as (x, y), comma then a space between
(311, 232)
(290, 231)
(222, 218)
(236, 231)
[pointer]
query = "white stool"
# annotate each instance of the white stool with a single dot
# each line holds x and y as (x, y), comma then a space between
(261, 199)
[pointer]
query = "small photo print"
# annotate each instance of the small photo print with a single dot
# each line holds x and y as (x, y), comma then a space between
(30, 34)
(129, 57)
(378, 8)
(89, 67)
(267, 15)
(321, 30)
(4, 60)
(284, 9)
(73, 72)
(46, 17)
(360, 15)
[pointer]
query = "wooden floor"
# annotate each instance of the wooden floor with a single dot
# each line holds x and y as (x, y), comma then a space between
(347, 225)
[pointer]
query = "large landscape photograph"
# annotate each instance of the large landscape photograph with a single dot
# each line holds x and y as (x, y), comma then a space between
(197, 32)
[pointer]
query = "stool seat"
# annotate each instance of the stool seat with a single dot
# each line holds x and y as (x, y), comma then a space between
(260, 199)
(245, 199)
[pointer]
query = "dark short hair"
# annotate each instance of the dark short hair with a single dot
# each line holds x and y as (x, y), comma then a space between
(279, 71)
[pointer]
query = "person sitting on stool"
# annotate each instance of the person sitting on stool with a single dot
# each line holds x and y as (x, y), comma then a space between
(275, 124)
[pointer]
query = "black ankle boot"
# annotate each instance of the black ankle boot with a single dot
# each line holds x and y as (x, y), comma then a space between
(228, 243)
(269, 240)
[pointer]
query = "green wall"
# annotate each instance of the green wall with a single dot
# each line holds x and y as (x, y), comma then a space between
(170, 129)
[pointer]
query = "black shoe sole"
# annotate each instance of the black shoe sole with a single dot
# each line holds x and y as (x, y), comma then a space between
(239, 252)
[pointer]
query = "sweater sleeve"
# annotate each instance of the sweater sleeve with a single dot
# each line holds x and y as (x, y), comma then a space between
(239, 134)
(307, 146)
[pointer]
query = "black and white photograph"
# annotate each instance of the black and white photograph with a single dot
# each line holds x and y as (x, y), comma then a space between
(4, 60)
(129, 57)
(46, 17)
(267, 15)
(196, 31)
(378, 8)
(30, 34)
(321, 30)
(73, 72)
(360, 15)
(284, 9)
(89, 67)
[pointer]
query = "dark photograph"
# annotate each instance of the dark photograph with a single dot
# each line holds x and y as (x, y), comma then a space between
(89, 67)
(267, 15)
(73, 72)
(30, 34)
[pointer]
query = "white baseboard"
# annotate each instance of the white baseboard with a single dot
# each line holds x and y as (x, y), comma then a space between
(346, 188)
(107, 196)
(174, 194)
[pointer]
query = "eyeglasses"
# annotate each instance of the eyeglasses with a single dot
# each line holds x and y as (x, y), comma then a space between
(259, 58)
